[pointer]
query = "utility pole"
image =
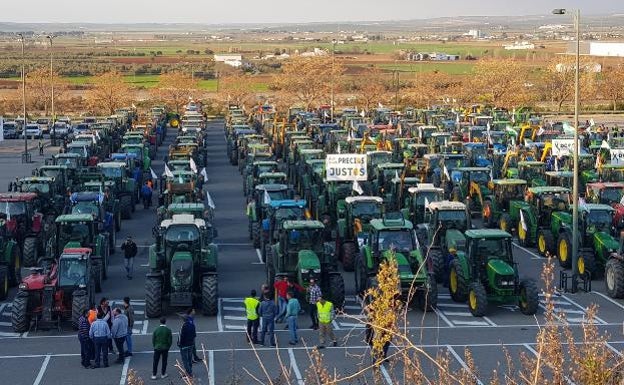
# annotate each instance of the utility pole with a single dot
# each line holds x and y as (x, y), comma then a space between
(25, 155)
(332, 80)
(54, 143)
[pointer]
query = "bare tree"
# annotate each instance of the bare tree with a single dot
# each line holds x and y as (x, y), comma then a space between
(175, 89)
(612, 87)
(370, 89)
(39, 88)
(109, 92)
(236, 89)
(502, 82)
(557, 82)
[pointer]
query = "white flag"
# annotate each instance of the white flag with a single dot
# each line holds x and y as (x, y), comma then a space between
(168, 172)
(591, 122)
(491, 174)
(204, 174)
(362, 113)
(597, 165)
(350, 137)
(605, 144)
(154, 176)
(522, 222)
(210, 201)
(426, 204)
(267, 198)
(540, 131)
(396, 176)
(446, 173)
(193, 166)
(338, 149)
(357, 188)
(556, 164)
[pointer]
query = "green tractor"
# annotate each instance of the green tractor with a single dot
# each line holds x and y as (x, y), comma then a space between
(559, 178)
(353, 225)
(79, 231)
(419, 198)
(276, 213)
(10, 262)
(251, 176)
(183, 267)
(485, 271)
(533, 216)
(49, 192)
(533, 171)
(126, 189)
(470, 183)
(301, 254)
(393, 238)
(496, 204)
(258, 204)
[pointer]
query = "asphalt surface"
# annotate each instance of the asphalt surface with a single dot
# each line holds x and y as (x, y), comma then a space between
(53, 357)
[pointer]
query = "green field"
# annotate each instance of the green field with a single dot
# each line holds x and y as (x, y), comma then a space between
(450, 68)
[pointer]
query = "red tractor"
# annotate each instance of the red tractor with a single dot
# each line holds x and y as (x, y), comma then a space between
(58, 290)
(608, 193)
(26, 224)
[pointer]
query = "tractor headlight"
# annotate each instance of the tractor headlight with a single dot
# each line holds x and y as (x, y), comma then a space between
(305, 271)
(23, 286)
(317, 271)
(82, 286)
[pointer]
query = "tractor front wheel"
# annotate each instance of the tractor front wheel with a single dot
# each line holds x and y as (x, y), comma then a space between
(545, 242)
(529, 297)
(31, 252)
(210, 295)
(19, 312)
(586, 263)
(118, 221)
(427, 298)
(255, 232)
(337, 290)
(564, 250)
(153, 297)
(80, 303)
(614, 278)
(4, 281)
(360, 275)
(477, 299)
(437, 262)
(458, 286)
(97, 276)
(348, 255)
(270, 268)
(125, 206)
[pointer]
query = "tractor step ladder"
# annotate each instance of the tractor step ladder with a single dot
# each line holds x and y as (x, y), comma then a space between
(569, 283)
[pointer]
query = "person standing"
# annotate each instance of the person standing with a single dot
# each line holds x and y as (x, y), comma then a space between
(129, 310)
(161, 341)
(251, 310)
(119, 332)
(40, 144)
(83, 338)
(326, 315)
(186, 342)
(146, 195)
(130, 251)
(267, 311)
(314, 294)
(292, 312)
(281, 289)
(100, 334)
(105, 310)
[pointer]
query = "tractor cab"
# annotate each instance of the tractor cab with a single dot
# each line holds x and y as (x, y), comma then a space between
(559, 178)
(68, 159)
(533, 171)
(470, 182)
(301, 243)
(74, 267)
(448, 218)
(354, 221)
(611, 173)
(383, 174)
(477, 155)
(420, 197)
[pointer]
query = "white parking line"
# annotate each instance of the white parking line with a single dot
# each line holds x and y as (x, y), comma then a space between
(443, 317)
(614, 350)
(582, 308)
(2, 306)
(44, 366)
(211, 371)
(144, 329)
(124, 371)
(616, 303)
(219, 321)
(295, 367)
(385, 374)
(462, 363)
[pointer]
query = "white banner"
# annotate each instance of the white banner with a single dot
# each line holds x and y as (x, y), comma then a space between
(617, 156)
(561, 147)
(346, 167)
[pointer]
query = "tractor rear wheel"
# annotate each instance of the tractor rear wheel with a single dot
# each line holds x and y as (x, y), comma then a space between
(564, 250)
(255, 233)
(112, 241)
(125, 207)
(80, 303)
(4, 282)
(97, 276)
(437, 261)
(15, 268)
(427, 298)
(360, 275)
(458, 286)
(210, 295)
(505, 223)
(614, 278)
(348, 255)
(337, 290)
(118, 221)
(545, 242)
(31, 252)
(586, 263)
(19, 312)
(153, 297)
(477, 299)
(270, 268)
(529, 297)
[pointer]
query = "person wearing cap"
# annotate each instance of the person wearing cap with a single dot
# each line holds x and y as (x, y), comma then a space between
(130, 251)
(447, 265)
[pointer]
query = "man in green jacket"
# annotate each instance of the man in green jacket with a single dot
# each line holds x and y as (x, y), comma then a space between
(161, 340)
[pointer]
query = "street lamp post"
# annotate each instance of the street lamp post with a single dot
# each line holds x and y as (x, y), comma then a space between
(25, 155)
(50, 37)
(575, 182)
(331, 109)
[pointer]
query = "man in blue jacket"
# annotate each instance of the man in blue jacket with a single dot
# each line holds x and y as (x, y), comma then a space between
(187, 341)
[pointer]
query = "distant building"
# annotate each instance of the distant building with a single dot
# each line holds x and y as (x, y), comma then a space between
(225, 57)
(606, 49)
(434, 56)
(519, 45)
(475, 34)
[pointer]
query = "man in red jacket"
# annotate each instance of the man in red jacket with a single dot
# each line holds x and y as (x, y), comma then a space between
(281, 288)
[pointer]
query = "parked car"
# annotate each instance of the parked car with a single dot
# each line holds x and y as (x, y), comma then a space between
(44, 124)
(10, 130)
(61, 130)
(33, 131)
(81, 128)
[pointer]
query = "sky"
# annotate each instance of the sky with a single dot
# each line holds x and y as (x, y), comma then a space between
(280, 11)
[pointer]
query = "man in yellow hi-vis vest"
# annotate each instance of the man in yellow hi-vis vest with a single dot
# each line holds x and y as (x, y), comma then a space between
(253, 320)
(326, 315)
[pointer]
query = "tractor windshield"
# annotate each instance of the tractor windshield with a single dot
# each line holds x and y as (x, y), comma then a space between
(86, 208)
(289, 213)
(12, 208)
(182, 233)
(111, 172)
(74, 231)
(602, 219)
(430, 196)
(494, 249)
(43, 188)
(397, 240)
(304, 238)
(556, 201)
(611, 195)
(366, 210)
(264, 168)
(453, 219)
(52, 173)
(72, 271)
(480, 177)
(531, 172)
(278, 195)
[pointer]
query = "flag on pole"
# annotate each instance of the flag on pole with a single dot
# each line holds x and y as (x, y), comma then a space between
(168, 172)
(523, 222)
(267, 198)
(204, 174)
(154, 176)
(556, 164)
(357, 188)
(491, 174)
(338, 149)
(396, 176)
(446, 173)
(193, 166)
(605, 145)
(540, 131)
(426, 204)
(210, 201)
(362, 113)
(592, 122)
